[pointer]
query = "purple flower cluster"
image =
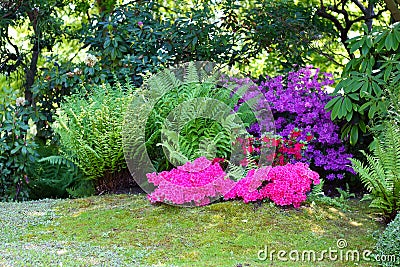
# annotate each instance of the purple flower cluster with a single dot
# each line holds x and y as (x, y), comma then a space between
(297, 102)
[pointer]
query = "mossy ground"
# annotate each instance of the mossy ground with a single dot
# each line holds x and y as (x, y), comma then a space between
(125, 230)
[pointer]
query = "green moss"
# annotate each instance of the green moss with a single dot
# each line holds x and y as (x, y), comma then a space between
(221, 234)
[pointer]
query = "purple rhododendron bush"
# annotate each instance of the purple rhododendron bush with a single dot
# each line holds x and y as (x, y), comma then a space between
(297, 102)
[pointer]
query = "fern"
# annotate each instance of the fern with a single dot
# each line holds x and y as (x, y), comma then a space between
(53, 176)
(189, 102)
(382, 174)
(90, 129)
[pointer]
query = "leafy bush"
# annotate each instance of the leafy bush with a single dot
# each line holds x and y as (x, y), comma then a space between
(17, 150)
(89, 124)
(388, 244)
(56, 177)
(284, 150)
(381, 174)
(359, 96)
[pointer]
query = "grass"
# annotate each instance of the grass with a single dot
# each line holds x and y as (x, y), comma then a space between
(125, 230)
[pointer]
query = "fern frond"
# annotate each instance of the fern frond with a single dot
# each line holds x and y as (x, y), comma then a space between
(191, 75)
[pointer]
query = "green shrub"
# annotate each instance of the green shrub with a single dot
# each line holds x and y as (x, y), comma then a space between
(360, 94)
(89, 124)
(56, 177)
(388, 245)
(17, 150)
(381, 174)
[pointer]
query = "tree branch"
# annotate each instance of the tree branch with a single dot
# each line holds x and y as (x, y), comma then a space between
(360, 6)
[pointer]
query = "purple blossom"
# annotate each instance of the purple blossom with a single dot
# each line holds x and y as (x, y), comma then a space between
(297, 100)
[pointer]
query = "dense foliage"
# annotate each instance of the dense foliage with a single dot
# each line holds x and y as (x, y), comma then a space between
(89, 124)
(185, 116)
(360, 95)
(17, 150)
(388, 245)
(381, 173)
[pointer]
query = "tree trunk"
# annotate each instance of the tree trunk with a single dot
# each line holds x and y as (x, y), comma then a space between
(394, 9)
(30, 75)
(370, 14)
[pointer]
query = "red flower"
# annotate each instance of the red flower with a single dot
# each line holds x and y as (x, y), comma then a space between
(217, 160)
(244, 162)
(295, 134)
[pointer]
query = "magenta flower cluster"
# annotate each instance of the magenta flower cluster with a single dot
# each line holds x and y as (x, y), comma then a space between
(191, 184)
(284, 185)
(196, 183)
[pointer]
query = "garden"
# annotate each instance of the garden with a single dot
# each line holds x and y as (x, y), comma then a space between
(200, 133)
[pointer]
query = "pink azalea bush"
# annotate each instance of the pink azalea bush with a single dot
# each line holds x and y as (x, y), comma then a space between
(192, 183)
(284, 185)
(196, 183)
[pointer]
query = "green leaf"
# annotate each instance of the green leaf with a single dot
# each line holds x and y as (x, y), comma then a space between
(356, 45)
(377, 89)
(389, 42)
(354, 96)
(345, 131)
(342, 110)
(372, 110)
(348, 104)
(335, 110)
(362, 126)
(349, 115)
(16, 149)
(354, 135)
(364, 106)
(332, 102)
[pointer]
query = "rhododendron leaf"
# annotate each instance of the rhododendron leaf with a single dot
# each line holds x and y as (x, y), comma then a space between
(349, 115)
(362, 126)
(332, 102)
(335, 109)
(348, 104)
(354, 135)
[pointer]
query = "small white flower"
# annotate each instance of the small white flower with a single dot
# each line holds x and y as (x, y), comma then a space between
(376, 71)
(77, 71)
(70, 74)
(90, 60)
(32, 128)
(341, 91)
(329, 89)
(20, 101)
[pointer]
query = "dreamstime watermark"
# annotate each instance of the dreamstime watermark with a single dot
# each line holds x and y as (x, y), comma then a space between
(340, 252)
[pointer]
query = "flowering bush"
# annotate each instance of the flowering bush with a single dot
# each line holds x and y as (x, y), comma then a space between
(297, 102)
(279, 150)
(284, 185)
(190, 183)
(203, 179)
